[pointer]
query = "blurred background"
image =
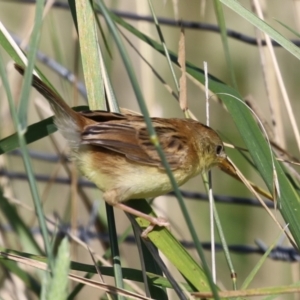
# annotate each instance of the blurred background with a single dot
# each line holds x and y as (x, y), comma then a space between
(242, 225)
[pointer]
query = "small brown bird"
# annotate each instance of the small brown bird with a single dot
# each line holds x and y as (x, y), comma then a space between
(114, 151)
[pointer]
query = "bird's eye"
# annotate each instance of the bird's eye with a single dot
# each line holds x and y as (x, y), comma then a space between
(219, 149)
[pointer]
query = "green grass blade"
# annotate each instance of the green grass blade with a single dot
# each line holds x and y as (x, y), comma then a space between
(57, 286)
(113, 238)
(8, 44)
(263, 26)
(223, 31)
(94, 71)
(29, 281)
(258, 266)
(18, 225)
(152, 267)
(27, 163)
(296, 33)
(174, 251)
(90, 54)
(162, 40)
(33, 46)
(130, 274)
(33, 133)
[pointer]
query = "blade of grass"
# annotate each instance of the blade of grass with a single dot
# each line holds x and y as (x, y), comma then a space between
(174, 251)
(27, 163)
(26, 239)
(154, 260)
(57, 286)
(148, 263)
(296, 33)
(162, 40)
(9, 45)
(90, 54)
(94, 69)
(223, 31)
(33, 45)
(276, 290)
(18, 225)
(33, 133)
(257, 267)
(130, 274)
(91, 283)
(263, 26)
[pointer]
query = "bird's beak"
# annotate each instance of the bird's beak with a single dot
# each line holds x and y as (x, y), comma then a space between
(226, 166)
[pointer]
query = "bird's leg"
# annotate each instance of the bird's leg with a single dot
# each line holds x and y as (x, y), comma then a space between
(154, 221)
(111, 198)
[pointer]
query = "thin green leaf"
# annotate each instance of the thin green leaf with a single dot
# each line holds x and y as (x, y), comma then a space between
(33, 46)
(130, 274)
(56, 287)
(28, 280)
(263, 26)
(95, 75)
(33, 133)
(296, 33)
(26, 159)
(162, 40)
(90, 54)
(223, 30)
(258, 266)
(18, 225)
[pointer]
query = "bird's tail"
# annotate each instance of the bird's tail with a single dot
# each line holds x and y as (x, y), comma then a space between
(69, 122)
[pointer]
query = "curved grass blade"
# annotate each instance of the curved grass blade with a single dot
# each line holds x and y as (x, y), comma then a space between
(95, 77)
(130, 274)
(223, 31)
(20, 122)
(263, 26)
(56, 287)
(90, 54)
(34, 133)
(25, 236)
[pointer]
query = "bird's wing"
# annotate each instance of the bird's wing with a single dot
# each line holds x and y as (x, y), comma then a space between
(129, 136)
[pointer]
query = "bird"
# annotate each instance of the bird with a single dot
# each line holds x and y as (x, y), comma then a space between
(115, 152)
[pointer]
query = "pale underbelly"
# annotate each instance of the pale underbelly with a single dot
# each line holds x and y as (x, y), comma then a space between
(131, 180)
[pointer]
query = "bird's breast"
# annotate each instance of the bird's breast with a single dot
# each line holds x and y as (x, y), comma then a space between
(133, 180)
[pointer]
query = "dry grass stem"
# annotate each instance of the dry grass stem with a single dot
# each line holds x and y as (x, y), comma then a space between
(251, 189)
(182, 82)
(98, 285)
